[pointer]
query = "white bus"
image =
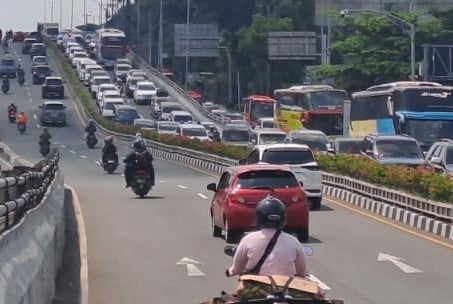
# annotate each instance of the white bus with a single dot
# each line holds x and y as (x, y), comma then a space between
(110, 45)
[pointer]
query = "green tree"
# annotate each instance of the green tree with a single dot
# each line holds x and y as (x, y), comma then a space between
(370, 49)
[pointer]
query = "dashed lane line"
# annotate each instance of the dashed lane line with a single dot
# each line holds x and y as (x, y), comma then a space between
(73, 152)
(62, 146)
(162, 181)
(34, 116)
(181, 187)
(83, 156)
(202, 195)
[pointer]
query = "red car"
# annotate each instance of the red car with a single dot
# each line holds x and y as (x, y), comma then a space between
(195, 95)
(241, 188)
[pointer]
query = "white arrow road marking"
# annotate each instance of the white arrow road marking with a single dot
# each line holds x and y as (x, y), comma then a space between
(181, 187)
(192, 270)
(202, 195)
(322, 285)
(397, 261)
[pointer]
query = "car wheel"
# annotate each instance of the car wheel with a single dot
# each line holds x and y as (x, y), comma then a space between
(216, 231)
(231, 236)
(316, 203)
(302, 235)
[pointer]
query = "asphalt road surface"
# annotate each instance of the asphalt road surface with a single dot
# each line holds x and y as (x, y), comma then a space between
(134, 244)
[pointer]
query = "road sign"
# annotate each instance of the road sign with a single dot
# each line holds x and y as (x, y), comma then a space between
(292, 46)
(200, 40)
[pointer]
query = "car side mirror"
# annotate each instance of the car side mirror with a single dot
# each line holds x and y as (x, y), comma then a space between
(369, 152)
(229, 250)
(212, 187)
(253, 141)
(436, 161)
(243, 161)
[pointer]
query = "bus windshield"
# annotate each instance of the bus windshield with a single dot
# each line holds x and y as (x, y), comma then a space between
(112, 53)
(429, 131)
(260, 109)
(433, 99)
(370, 107)
(117, 41)
(322, 99)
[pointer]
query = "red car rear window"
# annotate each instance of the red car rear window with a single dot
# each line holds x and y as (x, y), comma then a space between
(265, 179)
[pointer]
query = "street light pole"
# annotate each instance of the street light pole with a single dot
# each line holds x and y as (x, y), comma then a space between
(187, 45)
(160, 51)
(61, 14)
(85, 11)
(397, 21)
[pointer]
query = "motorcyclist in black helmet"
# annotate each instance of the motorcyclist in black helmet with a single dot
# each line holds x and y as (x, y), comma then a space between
(287, 256)
(140, 159)
(109, 148)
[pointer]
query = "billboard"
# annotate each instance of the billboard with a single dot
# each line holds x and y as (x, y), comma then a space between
(292, 46)
(200, 40)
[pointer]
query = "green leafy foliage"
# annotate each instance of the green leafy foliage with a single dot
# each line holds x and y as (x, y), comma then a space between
(421, 182)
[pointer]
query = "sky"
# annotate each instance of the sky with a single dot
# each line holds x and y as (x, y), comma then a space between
(23, 15)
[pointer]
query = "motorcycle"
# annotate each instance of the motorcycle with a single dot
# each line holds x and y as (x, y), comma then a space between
(21, 79)
(111, 164)
(12, 116)
(91, 140)
(44, 148)
(21, 128)
(5, 87)
(274, 289)
(142, 183)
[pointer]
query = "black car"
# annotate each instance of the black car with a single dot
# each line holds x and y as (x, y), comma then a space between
(40, 72)
(26, 45)
(35, 35)
(38, 49)
(53, 87)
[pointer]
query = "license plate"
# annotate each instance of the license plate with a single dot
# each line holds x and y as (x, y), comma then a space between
(140, 181)
(111, 162)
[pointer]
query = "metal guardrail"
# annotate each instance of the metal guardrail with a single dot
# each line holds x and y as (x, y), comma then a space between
(139, 62)
(438, 210)
(25, 191)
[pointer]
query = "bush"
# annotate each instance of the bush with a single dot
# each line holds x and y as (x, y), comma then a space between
(421, 182)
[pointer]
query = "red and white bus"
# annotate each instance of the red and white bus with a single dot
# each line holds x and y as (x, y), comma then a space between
(110, 45)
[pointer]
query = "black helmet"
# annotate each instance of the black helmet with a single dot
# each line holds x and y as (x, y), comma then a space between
(270, 213)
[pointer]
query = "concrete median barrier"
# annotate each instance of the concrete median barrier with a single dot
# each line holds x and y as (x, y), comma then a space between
(31, 252)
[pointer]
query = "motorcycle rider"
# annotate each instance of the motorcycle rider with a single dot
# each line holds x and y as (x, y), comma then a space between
(21, 119)
(109, 149)
(214, 133)
(140, 159)
(20, 72)
(44, 138)
(287, 256)
(12, 107)
(90, 128)
(5, 82)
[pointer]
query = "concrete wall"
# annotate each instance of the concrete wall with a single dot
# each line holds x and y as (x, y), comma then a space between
(31, 253)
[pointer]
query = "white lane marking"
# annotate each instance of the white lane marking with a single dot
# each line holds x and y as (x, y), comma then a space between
(38, 126)
(161, 181)
(62, 146)
(34, 116)
(202, 195)
(322, 285)
(397, 261)
(56, 142)
(98, 163)
(181, 187)
(73, 152)
(191, 269)
(83, 156)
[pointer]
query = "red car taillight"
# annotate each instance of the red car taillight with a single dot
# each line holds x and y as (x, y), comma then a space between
(236, 199)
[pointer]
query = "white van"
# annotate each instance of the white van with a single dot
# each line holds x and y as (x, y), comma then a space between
(181, 116)
(167, 107)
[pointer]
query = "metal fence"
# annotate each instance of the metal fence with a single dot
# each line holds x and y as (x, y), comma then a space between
(26, 190)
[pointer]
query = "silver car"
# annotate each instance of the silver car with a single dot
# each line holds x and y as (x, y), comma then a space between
(53, 112)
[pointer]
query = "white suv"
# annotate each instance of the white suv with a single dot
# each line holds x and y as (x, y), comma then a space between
(300, 159)
(145, 92)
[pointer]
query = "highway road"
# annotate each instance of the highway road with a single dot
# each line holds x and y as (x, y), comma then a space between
(134, 244)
